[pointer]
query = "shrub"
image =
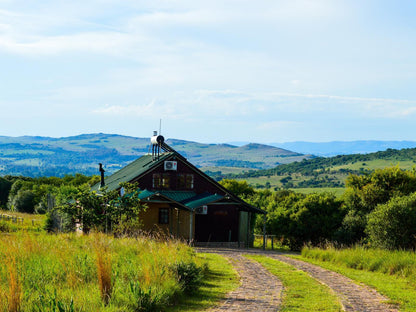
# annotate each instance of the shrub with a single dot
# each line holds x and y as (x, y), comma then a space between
(189, 275)
(393, 225)
(24, 201)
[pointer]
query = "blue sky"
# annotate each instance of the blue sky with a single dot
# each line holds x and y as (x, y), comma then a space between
(214, 71)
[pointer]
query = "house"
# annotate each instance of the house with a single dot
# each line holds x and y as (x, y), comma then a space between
(182, 200)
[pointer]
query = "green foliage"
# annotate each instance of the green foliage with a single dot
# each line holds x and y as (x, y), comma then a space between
(7, 227)
(297, 219)
(24, 201)
(393, 225)
(60, 272)
(144, 300)
(239, 188)
(104, 210)
(189, 275)
(5, 186)
(364, 193)
(398, 262)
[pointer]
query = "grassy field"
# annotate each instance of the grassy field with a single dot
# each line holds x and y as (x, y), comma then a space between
(301, 292)
(40, 272)
(25, 221)
(392, 273)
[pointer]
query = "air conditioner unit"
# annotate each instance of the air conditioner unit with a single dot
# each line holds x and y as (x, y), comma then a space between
(202, 210)
(171, 165)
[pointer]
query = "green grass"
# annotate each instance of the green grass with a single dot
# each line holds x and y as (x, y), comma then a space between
(301, 292)
(220, 279)
(31, 222)
(95, 272)
(277, 245)
(391, 273)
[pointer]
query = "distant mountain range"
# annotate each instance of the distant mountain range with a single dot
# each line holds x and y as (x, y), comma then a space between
(45, 156)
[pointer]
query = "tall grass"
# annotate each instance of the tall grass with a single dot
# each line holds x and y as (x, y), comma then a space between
(104, 273)
(399, 262)
(40, 272)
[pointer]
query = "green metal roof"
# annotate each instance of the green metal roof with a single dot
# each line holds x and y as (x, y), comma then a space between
(189, 200)
(198, 202)
(132, 170)
(178, 196)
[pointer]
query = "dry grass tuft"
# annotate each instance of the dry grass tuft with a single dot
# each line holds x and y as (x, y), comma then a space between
(14, 296)
(103, 264)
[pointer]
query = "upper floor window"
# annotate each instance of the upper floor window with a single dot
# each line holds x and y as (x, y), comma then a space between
(161, 180)
(185, 181)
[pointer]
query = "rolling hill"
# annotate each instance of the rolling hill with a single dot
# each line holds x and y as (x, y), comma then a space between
(326, 172)
(46, 156)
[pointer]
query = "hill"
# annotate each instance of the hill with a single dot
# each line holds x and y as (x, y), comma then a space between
(344, 147)
(331, 172)
(46, 156)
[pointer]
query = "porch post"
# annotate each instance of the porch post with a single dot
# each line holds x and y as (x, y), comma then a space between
(191, 227)
(248, 231)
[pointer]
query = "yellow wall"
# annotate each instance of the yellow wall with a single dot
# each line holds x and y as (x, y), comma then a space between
(150, 219)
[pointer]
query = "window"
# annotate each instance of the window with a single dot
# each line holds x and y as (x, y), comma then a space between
(163, 215)
(185, 181)
(166, 181)
(157, 180)
(161, 181)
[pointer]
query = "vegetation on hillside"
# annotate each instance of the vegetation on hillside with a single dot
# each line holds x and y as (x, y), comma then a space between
(321, 172)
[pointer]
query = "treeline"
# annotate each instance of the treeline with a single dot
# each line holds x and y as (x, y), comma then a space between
(377, 209)
(31, 195)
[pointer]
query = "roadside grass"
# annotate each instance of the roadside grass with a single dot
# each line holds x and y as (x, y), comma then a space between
(40, 272)
(301, 292)
(219, 279)
(392, 273)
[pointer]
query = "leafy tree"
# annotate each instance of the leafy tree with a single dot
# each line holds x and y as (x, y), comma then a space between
(365, 192)
(24, 201)
(239, 188)
(5, 186)
(298, 219)
(393, 225)
(105, 210)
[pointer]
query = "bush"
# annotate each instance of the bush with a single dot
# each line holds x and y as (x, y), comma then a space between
(6, 227)
(24, 201)
(189, 275)
(393, 225)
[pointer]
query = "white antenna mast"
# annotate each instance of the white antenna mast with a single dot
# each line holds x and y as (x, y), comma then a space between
(160, 127)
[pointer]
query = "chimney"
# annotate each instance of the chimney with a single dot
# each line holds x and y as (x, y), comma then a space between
(102, 174)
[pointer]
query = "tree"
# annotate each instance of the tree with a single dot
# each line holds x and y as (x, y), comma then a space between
(239, 188)
(105, 210)
(393, 225)
(5, 186)
(298, 219)
(24, 201)
(365, 192)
